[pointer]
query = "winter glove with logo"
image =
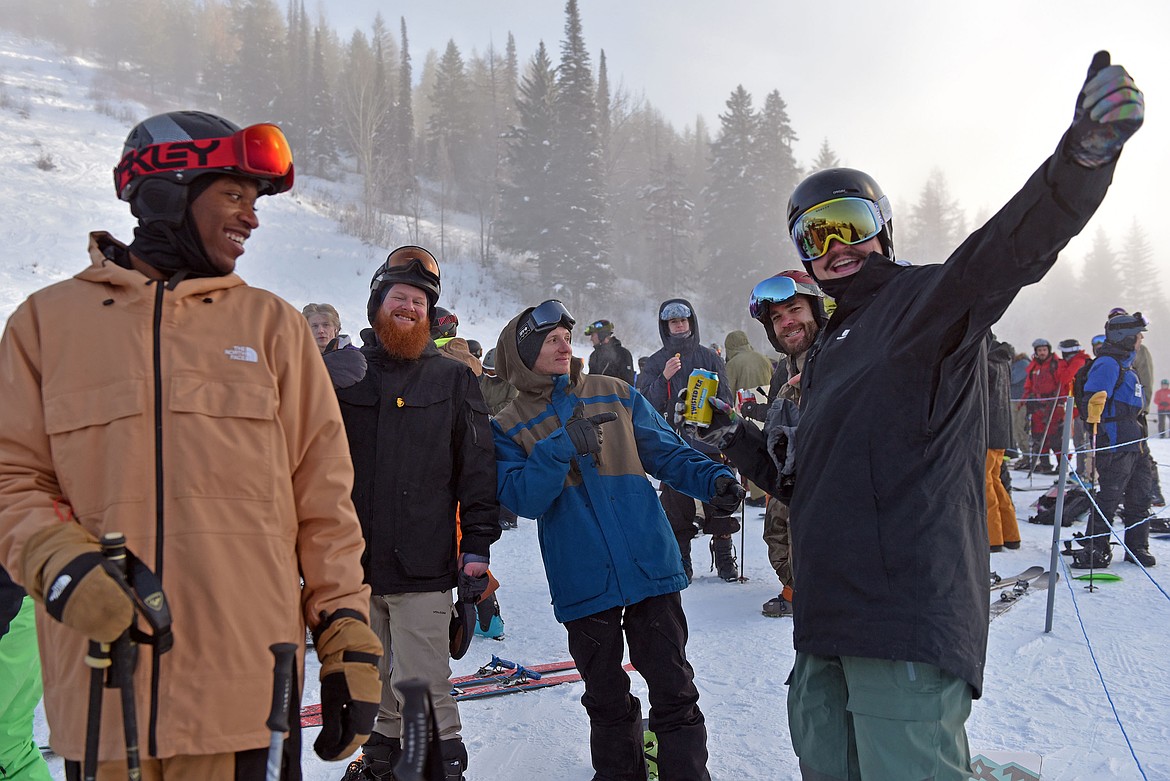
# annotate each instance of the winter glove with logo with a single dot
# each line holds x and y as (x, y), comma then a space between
(585, 432)
(350, 689)
(725, 424)
(1110, 108)
(753, 409)
(346, 367)
(728, 494)
(1096, 407)
(63, 567)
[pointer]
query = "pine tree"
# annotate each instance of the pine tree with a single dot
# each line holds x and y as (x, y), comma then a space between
(778, 175)
(1099, 280)
(320, 132)
(450, 116)
(402, 181)
(580, 226)
(1140, 287)
(731, 217)
(668, 213)
(603, 108)
(826, 158)
(526, 208)
(261, 60)
(362, 106)
(935, 226)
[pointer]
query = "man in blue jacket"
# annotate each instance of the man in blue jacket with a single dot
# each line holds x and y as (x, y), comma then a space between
(1115, 399)
(572, 451)
(891, 628)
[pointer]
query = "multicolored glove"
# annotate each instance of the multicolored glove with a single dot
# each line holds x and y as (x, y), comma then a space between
(724, 424)
(350, 689)
(64, 569)
(1110, 108)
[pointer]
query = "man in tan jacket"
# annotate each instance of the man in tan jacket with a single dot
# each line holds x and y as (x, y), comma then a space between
(157, 395)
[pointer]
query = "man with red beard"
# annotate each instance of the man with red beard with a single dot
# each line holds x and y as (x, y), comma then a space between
(421, 447)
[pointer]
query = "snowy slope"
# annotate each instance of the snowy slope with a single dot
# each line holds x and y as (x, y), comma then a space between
(1043, 693)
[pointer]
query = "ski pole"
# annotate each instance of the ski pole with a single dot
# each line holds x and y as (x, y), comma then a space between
(97, 658)
(123, 656)
(282, 669)
(743, 532)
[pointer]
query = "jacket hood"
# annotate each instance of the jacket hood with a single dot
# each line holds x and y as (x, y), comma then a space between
(510, 367)
(106, 256)
(736, 342)
(678, 342)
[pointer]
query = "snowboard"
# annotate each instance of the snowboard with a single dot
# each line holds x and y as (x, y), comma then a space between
(998, 582)
(1009, 597)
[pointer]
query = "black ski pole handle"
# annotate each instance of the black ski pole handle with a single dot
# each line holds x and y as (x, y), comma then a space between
(282, 669)
(123, 655)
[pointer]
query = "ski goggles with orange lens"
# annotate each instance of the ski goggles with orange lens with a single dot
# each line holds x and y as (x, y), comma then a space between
(261, 151)
(848, 220)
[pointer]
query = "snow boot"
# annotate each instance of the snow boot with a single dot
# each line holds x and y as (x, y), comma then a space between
(1092, 557)
(488, 621)
(777, 607)
(1137, 539)
(723, 558)
(377, 759)
(454, 755)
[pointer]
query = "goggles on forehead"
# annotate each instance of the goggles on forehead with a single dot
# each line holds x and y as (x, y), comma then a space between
(777, 290)
(258, 150)
(407, 259)
(848, 220)
(544, 317)
(674, 311)
(597, 326)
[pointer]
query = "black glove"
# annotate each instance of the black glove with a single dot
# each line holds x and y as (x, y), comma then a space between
(346, 367)
(724, 424)
(1110, 108)
(754, 409)
(585, 432)
(350, 688)
(471, 586)
(728, 494)
(780, 430)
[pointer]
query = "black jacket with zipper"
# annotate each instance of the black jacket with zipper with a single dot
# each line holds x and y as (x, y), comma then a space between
(421, 446)
(892, 541)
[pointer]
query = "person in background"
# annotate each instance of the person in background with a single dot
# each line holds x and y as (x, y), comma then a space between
(746, 370)
(193, 414)
(1143, 364)
(1020, 436)
(325, 324)
(1045, 404)
(445, 334)
(1003, 530)
(608, 356)
(497, 393)
(573, 451)
(1162, 402)
(1073, 357)
(1113, 395)
(20, 685)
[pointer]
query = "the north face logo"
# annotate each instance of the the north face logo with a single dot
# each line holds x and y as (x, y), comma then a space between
(241, 353)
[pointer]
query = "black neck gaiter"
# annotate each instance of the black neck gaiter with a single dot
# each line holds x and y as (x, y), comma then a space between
(173, 249)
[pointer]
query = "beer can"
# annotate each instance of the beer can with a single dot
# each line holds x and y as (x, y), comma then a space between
(701, 386)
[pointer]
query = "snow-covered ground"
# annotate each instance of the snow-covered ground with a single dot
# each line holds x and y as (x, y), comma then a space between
(1092, 697)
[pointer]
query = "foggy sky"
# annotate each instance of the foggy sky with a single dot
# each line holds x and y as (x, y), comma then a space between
(982, 91)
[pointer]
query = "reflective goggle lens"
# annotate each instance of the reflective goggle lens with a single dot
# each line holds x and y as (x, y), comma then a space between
(404, 256)
(849, 220)
(674, 311)
(774, 290)
(600, 325)
(263, 150)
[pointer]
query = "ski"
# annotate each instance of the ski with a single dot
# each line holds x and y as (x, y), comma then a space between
(519, 684)
(495, 670)
(1009, 597)
(998, 582)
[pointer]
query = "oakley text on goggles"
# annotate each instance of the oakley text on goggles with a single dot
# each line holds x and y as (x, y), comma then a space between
(548, 315)
(674, 311)
(257, 150)
(776, 290)
(848, 220)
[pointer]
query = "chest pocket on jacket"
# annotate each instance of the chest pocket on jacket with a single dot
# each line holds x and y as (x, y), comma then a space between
(101, 445)
(226, 434)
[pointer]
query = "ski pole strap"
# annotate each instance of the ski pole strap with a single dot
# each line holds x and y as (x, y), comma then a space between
(145, 591)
